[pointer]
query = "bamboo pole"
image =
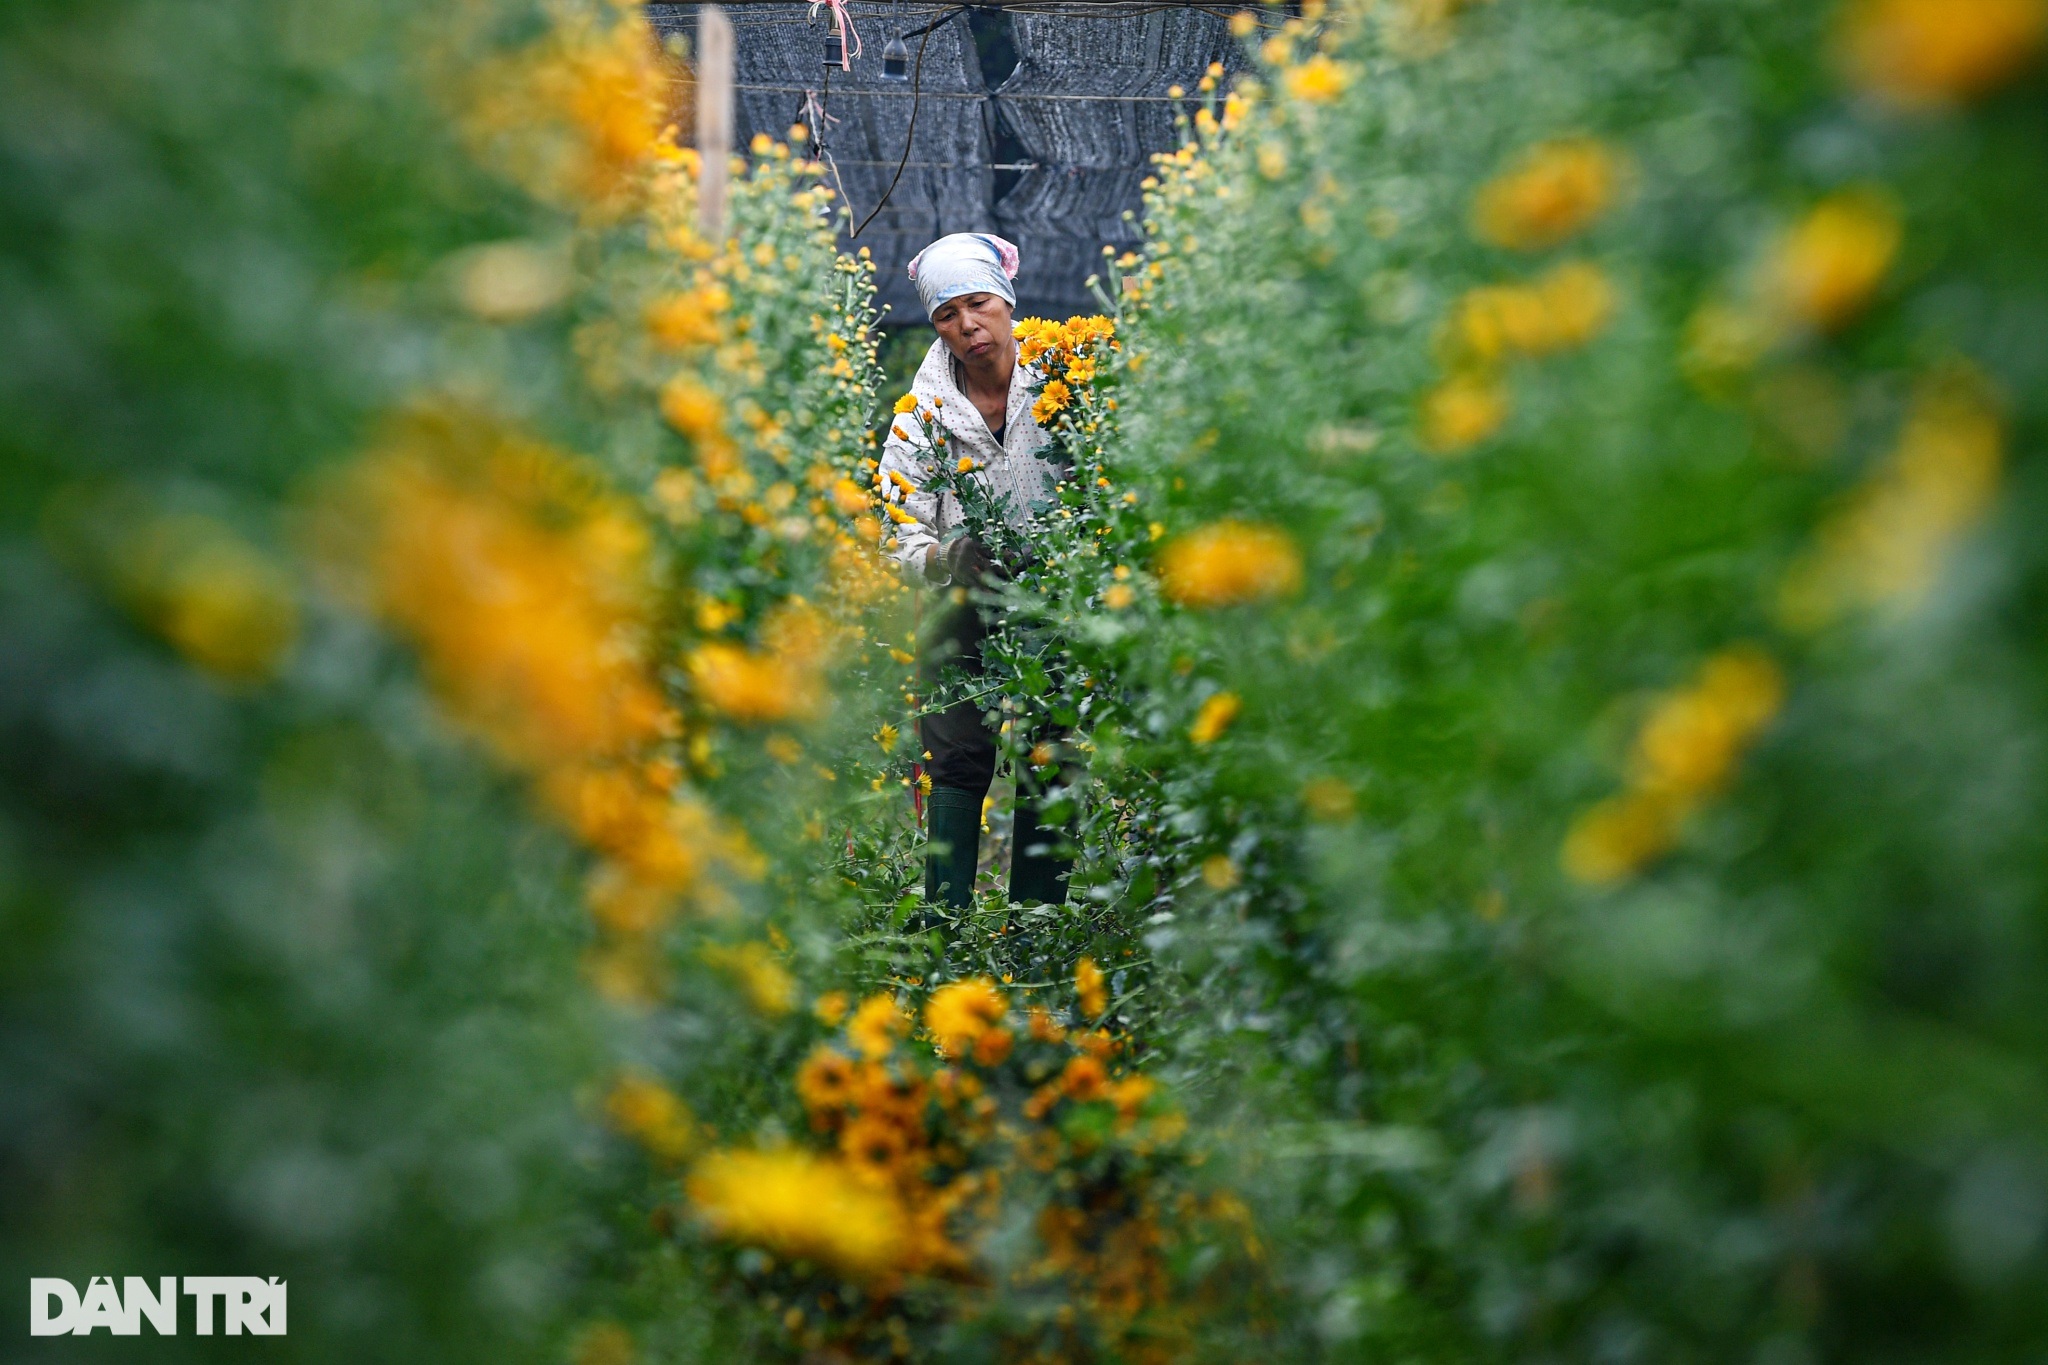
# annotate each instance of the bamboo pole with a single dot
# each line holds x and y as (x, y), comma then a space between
(714, 117)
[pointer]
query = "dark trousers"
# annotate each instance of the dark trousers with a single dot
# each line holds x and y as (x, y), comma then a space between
(961, 744)
(962, 765)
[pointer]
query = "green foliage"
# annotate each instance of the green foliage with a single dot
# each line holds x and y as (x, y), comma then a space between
(1538, 653)
(291, 980)
(1776, 1092)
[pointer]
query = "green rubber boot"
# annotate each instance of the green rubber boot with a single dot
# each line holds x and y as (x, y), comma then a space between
(952, 846)
(1036, 876)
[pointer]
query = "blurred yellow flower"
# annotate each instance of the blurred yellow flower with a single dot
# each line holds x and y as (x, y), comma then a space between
(825, 1081)
(1824, 270)
(1923, 53)
(1578, 301)
(522, 583)
(1723, 341)
(1565, 307)
(959, 1013)
(850, 498)
(576, 117)
(748, 685)
(1118, 596)
(1462, 411)
(1688, 744)
(1090, 989)
(1084, 1079)
(676, 492)
(830, 1008)
(690, 318)
(657, 837)
(1328, 799)
(1229, 562)
(604, 1343)
(1219, 873)
(783, 680)
(1550, 194)
(651, 1114)
(225, 605)
(507, 282)
(698, 413)
(1685, 750)
(766, 983)
(623, 904)
(1613, 840)
(1886, 545)
(1317, 80)
(1215, 717)
(876, 1026)
(874, 1148)
(800, 1206)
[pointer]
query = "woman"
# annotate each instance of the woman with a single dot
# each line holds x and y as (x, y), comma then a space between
(982, 397)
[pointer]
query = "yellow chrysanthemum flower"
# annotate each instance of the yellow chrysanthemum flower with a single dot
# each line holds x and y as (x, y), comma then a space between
(801, 1206)
(651, 1114)
(1565, 308)
(1685, 751)
(1089, 988)
(959, 1013)
(766, 983)
(1887, 544)
(1925, 53)
(1462, 411)
(1553, 192)
(1228, 563)
(876, 1026)
(1827, 267)
(825, 1081)
(1215, 717)
(690, 318)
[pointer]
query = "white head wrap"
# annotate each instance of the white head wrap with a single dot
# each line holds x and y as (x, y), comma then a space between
(964, 263)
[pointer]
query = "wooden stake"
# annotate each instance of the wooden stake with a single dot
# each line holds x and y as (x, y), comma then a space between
(714, 117)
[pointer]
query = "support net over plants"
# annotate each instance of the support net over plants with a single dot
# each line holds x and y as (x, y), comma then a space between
(1078, 96)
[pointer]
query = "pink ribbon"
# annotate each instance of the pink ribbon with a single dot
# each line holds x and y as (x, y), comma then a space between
(849, 37)
(814, 114)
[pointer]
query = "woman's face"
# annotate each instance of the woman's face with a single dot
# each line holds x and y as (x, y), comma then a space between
(976, 327)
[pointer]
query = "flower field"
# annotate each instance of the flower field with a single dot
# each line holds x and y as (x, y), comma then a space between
(1536, 654)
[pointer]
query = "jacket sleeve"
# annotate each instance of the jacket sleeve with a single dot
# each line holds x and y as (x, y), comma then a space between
(906, 459)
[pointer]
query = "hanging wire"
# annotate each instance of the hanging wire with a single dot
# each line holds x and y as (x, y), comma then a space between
(916, 86)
